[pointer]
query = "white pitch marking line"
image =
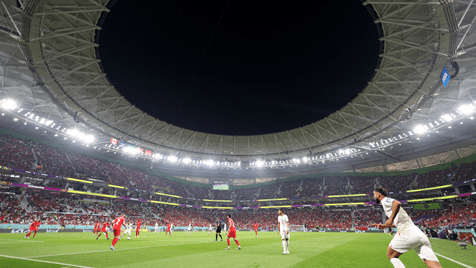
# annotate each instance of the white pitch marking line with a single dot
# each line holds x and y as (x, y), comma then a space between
(86, 252)
(52, 262)
(1, 239)
(462, 264)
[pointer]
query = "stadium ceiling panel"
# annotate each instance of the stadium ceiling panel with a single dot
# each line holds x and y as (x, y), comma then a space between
(49, 62)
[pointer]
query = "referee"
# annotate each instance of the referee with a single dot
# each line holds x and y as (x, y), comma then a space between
(218, 231)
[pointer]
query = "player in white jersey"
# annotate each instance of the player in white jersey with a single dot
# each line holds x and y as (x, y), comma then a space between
(408, 235)
(225, 230)
(156, 228)
(284, 230)
(189, 229)
(209, 229)
(127, 230)
(172, 228)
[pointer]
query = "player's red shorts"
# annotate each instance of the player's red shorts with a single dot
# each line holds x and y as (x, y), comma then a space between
(103, 230)
(117, 232)
(36, 229)
(232, 233)
(168, 230)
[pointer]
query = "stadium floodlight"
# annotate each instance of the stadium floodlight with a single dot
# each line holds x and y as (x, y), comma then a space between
(297, 161)
(9, 104)
(420, 129)
(305, 159)
(259, 163)
(172, 158)
(73, 132)
(209, 162)
(42, 120)
(48, 123)
(187, 160)
(89, 138)
(466, 109)
(446, 117)
(157, 156)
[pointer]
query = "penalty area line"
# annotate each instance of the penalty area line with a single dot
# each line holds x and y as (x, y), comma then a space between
(457, 262)
(51, 262)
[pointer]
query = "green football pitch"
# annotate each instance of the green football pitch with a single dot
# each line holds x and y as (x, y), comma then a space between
(200, 250)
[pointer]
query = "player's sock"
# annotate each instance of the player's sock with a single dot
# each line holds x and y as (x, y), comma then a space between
(34, 235)
(107, 235)
(397, 263)
(287, 246)
(114, 241)
(99, 235)
(221, 237)
(228, 241)
(28, 235)
(238, 243)
(284, 246)
(216, 237)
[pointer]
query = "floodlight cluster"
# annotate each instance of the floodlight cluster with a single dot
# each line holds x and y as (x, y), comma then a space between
(356, 150)
(11, 105)
(434, 125)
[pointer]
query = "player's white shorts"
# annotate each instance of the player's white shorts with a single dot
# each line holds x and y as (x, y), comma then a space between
(128, 231)
(413, 239)
(284, 234)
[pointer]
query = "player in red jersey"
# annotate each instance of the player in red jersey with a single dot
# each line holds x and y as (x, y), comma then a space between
(118, 223)
(168, 230)
(256, 229)
(96, 228)
(231, 232)
(38, 223)
(139, 222)
(104, 230)
(32, 229)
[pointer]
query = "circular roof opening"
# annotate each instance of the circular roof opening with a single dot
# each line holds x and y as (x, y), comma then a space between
(268, 67)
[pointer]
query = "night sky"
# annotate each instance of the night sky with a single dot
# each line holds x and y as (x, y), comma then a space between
(270, 66)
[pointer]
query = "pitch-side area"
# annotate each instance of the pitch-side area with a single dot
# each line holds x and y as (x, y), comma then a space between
(200, 250)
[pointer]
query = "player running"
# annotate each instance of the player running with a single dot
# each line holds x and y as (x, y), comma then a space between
(209, 229)
(118, 223)
(408, 235)
(32, 229)
(104, 230)
(156, 228)
(225, 230)
(168, 230)
(96, 227)
(231, 233)
(218, 231)
(139, 222)
(256, 229)
(189, 229)
(127, 230)
(284, 230)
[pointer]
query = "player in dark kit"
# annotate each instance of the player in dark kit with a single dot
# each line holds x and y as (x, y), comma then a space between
(218, 231)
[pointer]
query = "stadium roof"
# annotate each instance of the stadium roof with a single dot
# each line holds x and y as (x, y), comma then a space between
(50, 64)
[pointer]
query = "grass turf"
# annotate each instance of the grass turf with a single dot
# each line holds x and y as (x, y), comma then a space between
(199, 250)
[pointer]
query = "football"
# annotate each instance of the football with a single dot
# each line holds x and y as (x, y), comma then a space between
(128, 238)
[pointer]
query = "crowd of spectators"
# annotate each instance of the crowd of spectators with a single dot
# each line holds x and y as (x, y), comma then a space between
(29, 155)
